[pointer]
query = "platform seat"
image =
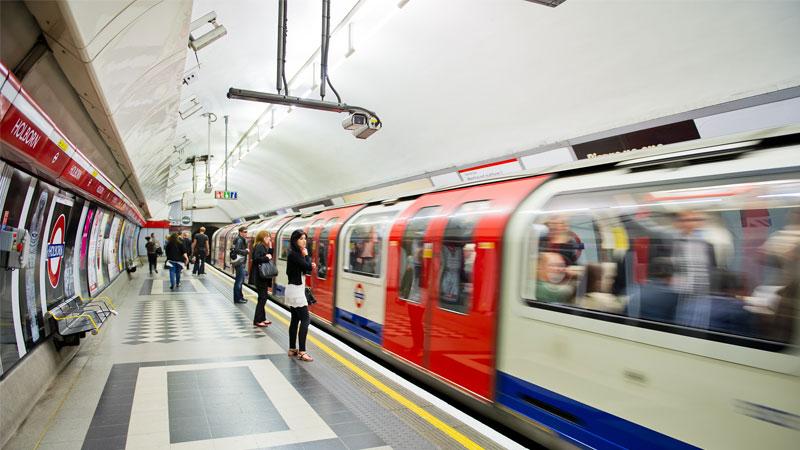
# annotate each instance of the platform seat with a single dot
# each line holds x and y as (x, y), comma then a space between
(77, 315)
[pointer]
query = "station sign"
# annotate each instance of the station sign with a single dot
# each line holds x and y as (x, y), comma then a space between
(226, 195)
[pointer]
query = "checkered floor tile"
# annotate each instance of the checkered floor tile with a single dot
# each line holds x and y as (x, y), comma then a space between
(196, 318)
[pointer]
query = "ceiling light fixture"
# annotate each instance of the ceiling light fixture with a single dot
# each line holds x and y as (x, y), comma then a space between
(192, 108)
(217, 31)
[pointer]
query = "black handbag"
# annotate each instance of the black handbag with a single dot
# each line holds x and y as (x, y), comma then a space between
(310, 297)
(267, 270)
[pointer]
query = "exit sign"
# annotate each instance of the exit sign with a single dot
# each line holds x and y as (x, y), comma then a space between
(226, 195)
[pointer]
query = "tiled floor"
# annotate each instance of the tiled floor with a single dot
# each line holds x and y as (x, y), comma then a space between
(187, 370)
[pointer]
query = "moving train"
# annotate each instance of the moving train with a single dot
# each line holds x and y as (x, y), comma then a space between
(642, 300)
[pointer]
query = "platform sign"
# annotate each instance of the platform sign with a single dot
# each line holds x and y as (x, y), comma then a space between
(226, 195)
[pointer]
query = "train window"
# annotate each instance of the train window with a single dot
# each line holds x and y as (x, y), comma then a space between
(715, 261)
(312, 233)
(411, 253)
(286, 234)
(458, 257)
(322, 253)
(365, 243)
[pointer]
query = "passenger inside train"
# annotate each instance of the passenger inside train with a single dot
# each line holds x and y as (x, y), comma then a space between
(721, 259)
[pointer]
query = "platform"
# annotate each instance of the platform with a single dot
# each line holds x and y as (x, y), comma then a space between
(186, 369)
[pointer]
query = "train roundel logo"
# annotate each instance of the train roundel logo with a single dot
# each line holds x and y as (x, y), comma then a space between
(358, 294)
(55, 251)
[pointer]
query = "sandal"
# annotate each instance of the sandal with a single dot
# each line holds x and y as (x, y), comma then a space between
(292, 352)
(303, 356)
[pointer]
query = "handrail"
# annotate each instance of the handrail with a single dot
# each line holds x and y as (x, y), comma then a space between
(72, 316)
(86, 300)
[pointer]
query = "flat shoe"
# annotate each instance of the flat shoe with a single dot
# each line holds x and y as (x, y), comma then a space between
(260, 324)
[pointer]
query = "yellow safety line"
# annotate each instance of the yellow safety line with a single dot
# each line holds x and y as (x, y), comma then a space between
(399, 398)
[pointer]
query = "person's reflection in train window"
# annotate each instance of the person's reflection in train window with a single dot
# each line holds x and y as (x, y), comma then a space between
(452, 259)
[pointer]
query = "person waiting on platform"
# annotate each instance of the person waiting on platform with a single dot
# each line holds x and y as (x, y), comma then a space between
(298, 265)
(239, 252)
(186, 241)
(200, 250)
(151, 254)
(176, 258)
(262, 253)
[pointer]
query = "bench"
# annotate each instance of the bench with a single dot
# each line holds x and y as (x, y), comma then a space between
(78, 315)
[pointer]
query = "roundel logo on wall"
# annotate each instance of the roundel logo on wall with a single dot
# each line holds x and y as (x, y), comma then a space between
(55, 251)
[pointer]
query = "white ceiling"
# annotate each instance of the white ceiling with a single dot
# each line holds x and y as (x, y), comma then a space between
(125, 59)
(458, 81)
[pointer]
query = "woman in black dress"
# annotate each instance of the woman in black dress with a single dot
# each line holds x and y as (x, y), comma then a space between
(262, 252)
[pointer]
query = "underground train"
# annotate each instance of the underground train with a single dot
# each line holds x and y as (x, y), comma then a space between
(643, 300)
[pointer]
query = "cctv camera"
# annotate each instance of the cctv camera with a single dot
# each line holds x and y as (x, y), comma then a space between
(368, 129)
(354, 121)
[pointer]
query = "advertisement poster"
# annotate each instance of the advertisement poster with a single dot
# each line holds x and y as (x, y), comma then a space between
(85, 244)
(31, 308)
(11, 342)
(95, 238)
(111, 249)
(102, 251)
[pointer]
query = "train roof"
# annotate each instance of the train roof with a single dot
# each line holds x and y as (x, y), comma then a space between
(678, 153)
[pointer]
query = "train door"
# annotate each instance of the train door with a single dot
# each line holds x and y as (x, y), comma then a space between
(252, 230)
(409, 274)
(463, 292)
(229, 237)
(361, 289)
(325, 232)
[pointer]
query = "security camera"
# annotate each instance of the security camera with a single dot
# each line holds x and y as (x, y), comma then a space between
(354, 121)
(368, 129)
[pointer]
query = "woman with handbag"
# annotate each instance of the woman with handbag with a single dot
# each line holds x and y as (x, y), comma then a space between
(176, 258)
(264, 268)
(298, 265)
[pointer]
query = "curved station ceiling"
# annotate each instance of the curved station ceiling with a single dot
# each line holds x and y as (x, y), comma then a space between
(455, 83)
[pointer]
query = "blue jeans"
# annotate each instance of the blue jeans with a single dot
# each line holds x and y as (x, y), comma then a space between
(237, 285)
(174, 273)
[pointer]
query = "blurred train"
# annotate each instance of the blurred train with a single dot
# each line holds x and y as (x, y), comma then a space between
(644, 300)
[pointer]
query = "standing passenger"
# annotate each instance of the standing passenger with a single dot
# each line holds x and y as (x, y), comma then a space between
(262, 253)
(151, 254)
(298, 264)
(186, 241)
(200, 249)
(176, 256)
(239, 250)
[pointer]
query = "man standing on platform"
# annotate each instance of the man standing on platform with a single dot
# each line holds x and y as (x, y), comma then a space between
(238, 261)
(200, 250)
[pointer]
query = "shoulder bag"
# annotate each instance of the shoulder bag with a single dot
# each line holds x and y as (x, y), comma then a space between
(310, 296)
(267, 270)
